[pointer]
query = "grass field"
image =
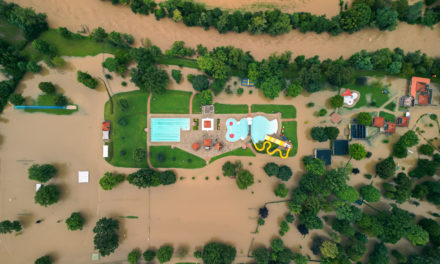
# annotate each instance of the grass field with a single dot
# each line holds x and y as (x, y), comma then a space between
(11, 33)
(196, 104)
(391, 106)
(230, 109)
(236, 152)
(181, 62)
(68, 47)
(48, 100)
(170, 102)
(174, 158)
(125, 139)
(388, 117)
(374, 91)
(287, 111)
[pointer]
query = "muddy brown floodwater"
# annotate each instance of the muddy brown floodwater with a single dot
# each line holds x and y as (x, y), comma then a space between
(95, 13)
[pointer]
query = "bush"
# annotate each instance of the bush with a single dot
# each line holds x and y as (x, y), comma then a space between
(60, 100)
(200, 83)
(281, 190)
(109, 181)
(16, 99)
(41, 173)
(290, 218)
(47, 195)
(240, 91)
(322, 112)
(294, 89)
(8, 226)
(75, 221)
(206, 97)
(214, 252)
(364, 118)
(229, 169)
(284, 173)
(123, 121)
(33, 67)
(149, 255)
(164, 254)
(271, 169)
(337, 101)
(86, 79)
(133, 256)
(140, 154)
(43, 260)
(426, 149)
(47, 87)
(177, 75)
(244, 179)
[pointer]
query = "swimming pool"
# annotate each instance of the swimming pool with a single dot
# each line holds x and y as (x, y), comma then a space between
(168, 129)
(261, 127)
(236, 130)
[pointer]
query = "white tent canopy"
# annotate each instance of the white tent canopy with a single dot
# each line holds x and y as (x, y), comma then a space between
(83, 176)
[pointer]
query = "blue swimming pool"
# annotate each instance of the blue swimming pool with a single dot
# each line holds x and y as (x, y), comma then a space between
(236, 130)
(167, 129)
(261, 127)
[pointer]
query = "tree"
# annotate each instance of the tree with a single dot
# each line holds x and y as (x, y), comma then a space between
(206, 97)
(149, 255)
(244, 179)
(420, 191)
(75, 221)
(8, 226)
(86, 79)
(335, 180)
(337, 101)
(218, 253)
(281, 190)
(106, 238)
(164, 254)
(200, 83)
(294, 89)
(229, 169)
(284, 173)
(98, 34)
(348, 212)
(16, 99)
(414, 13)
(409, 139)
(433, 228)
(400, 258)
(386, 168)
(396, 224)
(387, 18)
(399, 150)
(370, 194)
(167, 177)
(357, 151)
(133, 256)
(284, 228)
(355, 18)
(364, 118)
(310, 221)
(43, 260)
(300, 259)
(149, 78)
(332, 132)
(144, 178)
(426, 149)
(177, 75)
(339, 74)
(348, 193)
(310, 78)
(315, 167)
(344, 227)
(109, 181)
(418, 236)
(139, 154)
(261, 255)
(319, 134)
(41, 173)
(272, 86)
(271, 169)
(329, 249)
(60, 100)
(47, 87)
(44, 47)
(47, 195)
(356, 249)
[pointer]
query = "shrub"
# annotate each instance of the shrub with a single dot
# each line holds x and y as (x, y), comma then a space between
(271, 169)
(290, 218)
(311, 104)
(47, 87)
(322, 112)
(16, 99)
(109, 181)
(206, 97)
(8, 226)
(60, 100)
(86, 79)
(43, 260)
(294, 89)
(200, 83)
(337, 101)
(41, 173)
(123, 121)
(217, 86)
(244, 179)
(240, 91)
(284, 173)
(284, 228)
(149, 255)
(75, 221)
(133, 256)
(164, 254)
(229, 169)
(177, 75)
(426, 149)
(140, 154)
(281, 190)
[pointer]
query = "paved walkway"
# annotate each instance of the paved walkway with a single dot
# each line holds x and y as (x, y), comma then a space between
(288, 119)
(148, 129)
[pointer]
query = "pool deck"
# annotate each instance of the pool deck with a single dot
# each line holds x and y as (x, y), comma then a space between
(188, 138)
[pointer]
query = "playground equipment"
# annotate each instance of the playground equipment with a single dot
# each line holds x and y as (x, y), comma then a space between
(269, 140)
(247, 83)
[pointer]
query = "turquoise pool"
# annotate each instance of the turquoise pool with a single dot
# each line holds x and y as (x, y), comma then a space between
(236, 130)
(260, 127)
(167, 129)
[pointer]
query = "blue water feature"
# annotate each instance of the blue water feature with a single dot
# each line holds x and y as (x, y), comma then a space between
(236, 130)
(261, 127)
(167, 129)
(38, 107)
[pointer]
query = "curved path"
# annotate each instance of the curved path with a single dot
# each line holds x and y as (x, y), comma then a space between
(74, 14)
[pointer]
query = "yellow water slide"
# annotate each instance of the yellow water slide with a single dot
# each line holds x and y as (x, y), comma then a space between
(269, 141)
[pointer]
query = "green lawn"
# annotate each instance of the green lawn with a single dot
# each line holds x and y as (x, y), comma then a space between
(197, 104)
(374, 91)
(48, 100)
(388, 117)
(170, 102)
(230, 109)
(68, 47)
(391, 106)
(236, 152)
(125, 139)
(11, 33)
(287, 111)
(175, 158)
(181, 62)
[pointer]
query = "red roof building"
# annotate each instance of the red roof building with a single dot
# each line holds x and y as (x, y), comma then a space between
(423, 99)
(207, 142)
(402, 121)
(106, 126)
(390, 127)
(195, 146)
(218, 146)
(418, 84)
(347, 93)
(378, 121)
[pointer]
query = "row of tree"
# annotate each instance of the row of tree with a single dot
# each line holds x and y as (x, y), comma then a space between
(383, 14)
